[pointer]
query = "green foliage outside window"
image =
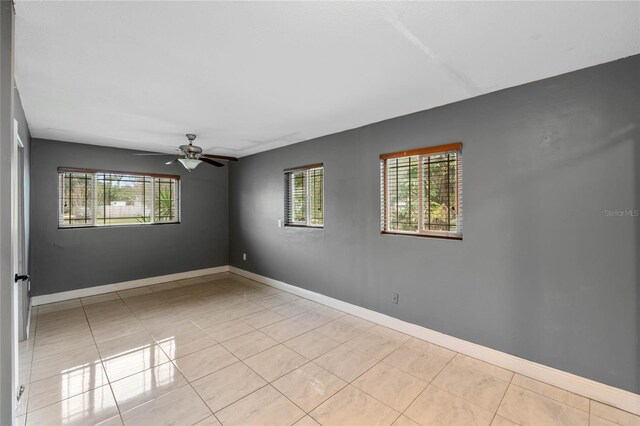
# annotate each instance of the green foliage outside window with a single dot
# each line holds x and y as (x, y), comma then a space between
(421, 193)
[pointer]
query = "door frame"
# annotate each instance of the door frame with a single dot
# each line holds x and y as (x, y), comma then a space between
(22, 288)
(8, 326)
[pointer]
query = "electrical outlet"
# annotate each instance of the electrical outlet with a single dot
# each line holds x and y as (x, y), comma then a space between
(279, 223)
(244, 256)
(396, 296)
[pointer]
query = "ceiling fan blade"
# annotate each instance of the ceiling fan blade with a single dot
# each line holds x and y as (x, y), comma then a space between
(175, 160)
(154, 153)
(212, 162)
(219, 157)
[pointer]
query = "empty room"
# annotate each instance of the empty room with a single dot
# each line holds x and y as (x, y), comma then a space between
(319, 213)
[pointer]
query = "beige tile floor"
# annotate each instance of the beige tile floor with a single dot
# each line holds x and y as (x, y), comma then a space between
(222, 349)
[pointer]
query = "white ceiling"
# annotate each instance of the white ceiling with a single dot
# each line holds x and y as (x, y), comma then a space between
(248, 77)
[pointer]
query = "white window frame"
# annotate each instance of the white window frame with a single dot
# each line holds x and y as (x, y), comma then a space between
(289, 194)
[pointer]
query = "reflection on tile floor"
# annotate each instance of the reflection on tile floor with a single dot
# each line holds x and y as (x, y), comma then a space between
(222, 349)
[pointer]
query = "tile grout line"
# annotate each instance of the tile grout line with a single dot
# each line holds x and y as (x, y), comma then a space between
(429, 383)
(269, 383)
(365, 372)
(502, 399)
(104, 370)
(465, 399)
(555, 399)
(268, 325)
(33, 350)
(55, 375)
(236, 400)
(306, 413)
(201, 399)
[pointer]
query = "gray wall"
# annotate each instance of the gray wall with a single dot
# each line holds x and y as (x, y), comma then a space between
(68, 259)
(542, 272)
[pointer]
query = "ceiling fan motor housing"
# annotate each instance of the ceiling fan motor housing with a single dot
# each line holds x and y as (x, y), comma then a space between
(191, 151)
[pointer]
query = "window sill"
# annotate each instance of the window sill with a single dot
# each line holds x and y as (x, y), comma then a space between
(304, 226)
(442, 236)
(124, 225)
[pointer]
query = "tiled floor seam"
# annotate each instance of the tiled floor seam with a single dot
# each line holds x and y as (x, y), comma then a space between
(428, 383)
(104, 369)
(204, 402)
(554, 399)
(242, 397)
(269, 383)
(300, 366)
(363, 373)
(28, 381)
(502, 399)
(464, 399)
(316, 406)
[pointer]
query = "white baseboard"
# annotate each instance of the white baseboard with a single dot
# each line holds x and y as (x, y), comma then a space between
(606, 394)
(108, 288)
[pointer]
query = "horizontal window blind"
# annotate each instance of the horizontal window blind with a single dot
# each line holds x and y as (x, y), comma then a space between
(95, 198)
(304, 196)
(421, 191)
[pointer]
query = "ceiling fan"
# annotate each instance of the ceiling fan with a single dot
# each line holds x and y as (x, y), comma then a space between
(190, 156)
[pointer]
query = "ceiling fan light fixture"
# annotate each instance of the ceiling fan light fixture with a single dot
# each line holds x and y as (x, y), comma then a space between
(189, 163)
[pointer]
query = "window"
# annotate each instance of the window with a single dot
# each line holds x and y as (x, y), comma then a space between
(421, 192)
(303, 196)
(97, 198)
